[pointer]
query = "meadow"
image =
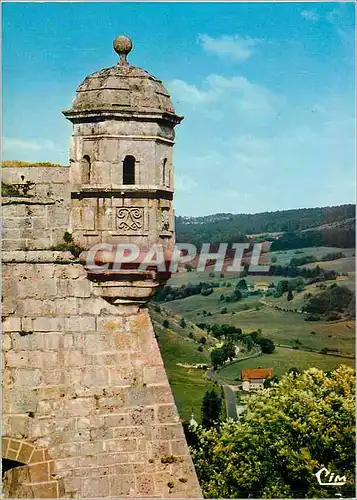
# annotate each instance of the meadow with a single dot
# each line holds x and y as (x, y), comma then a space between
(250, 314)
(188, 384)
(282, 327)
(282, 360)
(285, 256)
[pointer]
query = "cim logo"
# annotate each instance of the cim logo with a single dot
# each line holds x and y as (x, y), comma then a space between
(327, 478)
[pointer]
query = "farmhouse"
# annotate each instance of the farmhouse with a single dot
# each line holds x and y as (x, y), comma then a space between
(253, 378)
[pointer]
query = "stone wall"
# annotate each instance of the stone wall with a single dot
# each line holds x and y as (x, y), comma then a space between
(35, 207)
(87, 406)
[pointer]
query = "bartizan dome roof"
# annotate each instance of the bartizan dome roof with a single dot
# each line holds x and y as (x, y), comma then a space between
(122, 87)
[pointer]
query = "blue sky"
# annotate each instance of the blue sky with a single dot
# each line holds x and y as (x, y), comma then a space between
(267, 91)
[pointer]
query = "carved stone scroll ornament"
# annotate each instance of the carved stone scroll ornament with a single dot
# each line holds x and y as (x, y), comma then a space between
(130, 219)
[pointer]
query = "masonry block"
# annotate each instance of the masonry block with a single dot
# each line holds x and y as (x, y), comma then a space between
(85, 386)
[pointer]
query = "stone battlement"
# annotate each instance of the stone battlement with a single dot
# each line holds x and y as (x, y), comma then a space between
(35, 207)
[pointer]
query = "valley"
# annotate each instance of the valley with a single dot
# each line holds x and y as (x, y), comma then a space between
(298, 343)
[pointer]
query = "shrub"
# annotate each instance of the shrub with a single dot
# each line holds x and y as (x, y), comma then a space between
(67, 237)
(19, 163)
(333, 316)
(334, 298)
(165, 323)
(333, 256)
(274, 425)
(312, 317)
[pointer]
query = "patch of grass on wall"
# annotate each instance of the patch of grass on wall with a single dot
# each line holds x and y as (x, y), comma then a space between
(19, 163)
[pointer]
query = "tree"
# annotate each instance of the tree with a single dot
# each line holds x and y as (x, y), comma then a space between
(229, 351)
(211, 409)
(236, 295)
(242, 284)
(290, 295)
(295, 371)
(269, 381)
(267, 346)
(334, 298)
(217, 358)
(282, 287)
(203, 340)
(182, 323)
(248, 341)
(190, 434)
(286, 434)
(165, 323)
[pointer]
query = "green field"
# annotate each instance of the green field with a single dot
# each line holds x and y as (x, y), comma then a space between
(281, 327)
(285, 256)
(188, 384)
(281, 360)
(250, 314)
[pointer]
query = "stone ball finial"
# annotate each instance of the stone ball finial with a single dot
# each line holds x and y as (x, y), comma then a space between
(122, 46)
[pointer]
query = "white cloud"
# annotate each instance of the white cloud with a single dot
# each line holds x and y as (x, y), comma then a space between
(234, 47)
(184, 92)
(184, 183)
(237, 92)
(334, 15)
(310, 15)
(340, 19)
(13, 144)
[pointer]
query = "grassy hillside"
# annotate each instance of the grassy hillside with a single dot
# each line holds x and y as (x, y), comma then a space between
(268, 222)
(285, 328)
(285, 256)
(188, 384)
(281, 327)
(284, 359)
(330, 226)
(255, 312)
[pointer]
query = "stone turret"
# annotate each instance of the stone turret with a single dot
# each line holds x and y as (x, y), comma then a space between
(121, 170)
(87, 407)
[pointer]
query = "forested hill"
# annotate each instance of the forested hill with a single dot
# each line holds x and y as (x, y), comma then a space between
(313, 225)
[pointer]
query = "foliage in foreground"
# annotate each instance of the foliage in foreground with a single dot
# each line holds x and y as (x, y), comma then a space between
(287, 433)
